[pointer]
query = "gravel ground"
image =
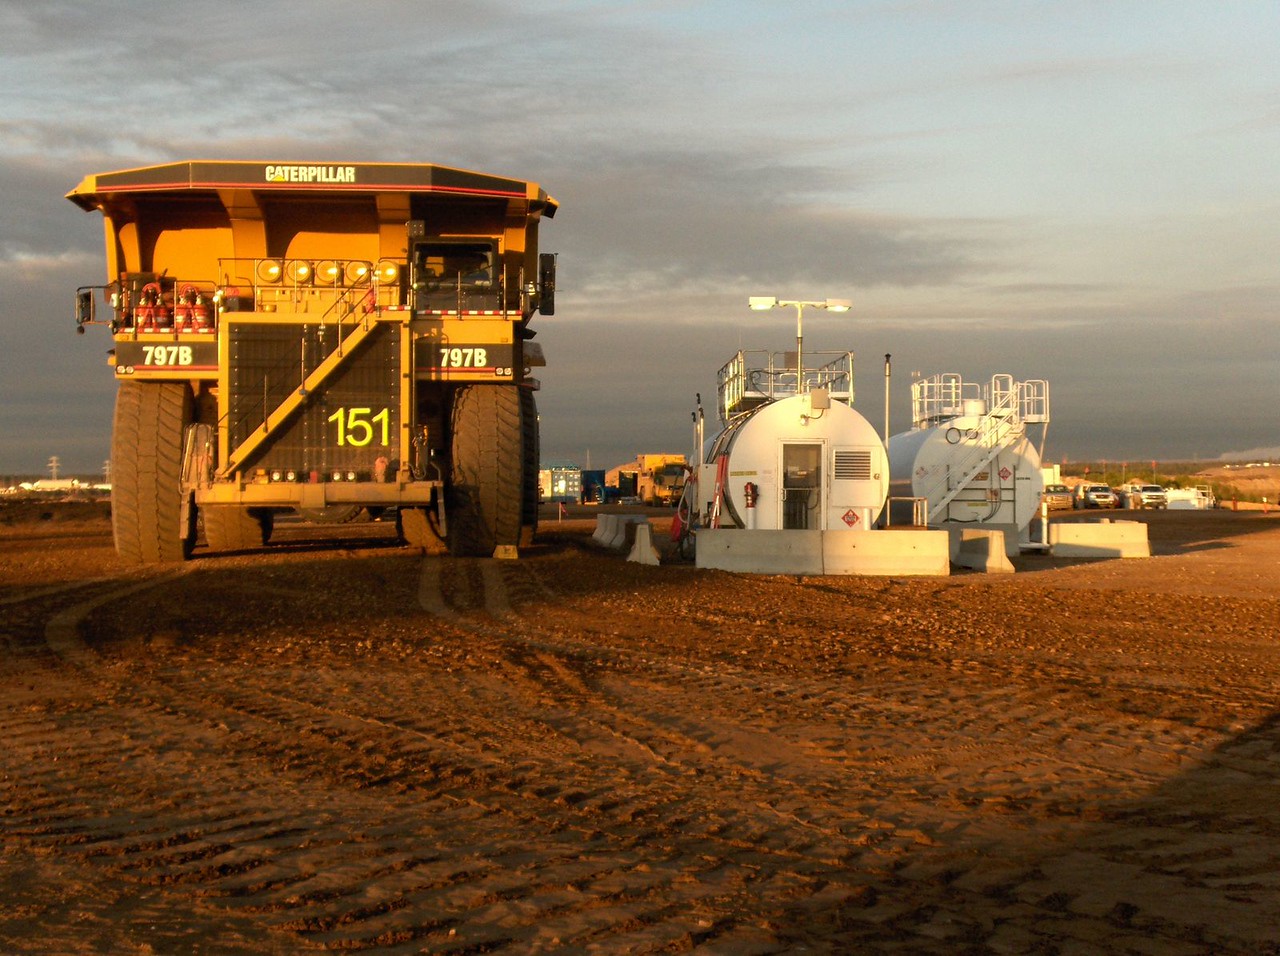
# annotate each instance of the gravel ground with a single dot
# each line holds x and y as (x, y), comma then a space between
(339, 743)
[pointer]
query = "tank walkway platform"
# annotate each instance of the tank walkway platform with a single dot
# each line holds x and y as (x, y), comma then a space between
(755, 377)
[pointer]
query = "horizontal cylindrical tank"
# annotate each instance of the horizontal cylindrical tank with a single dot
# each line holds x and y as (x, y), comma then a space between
(952, 465)
(812, 467)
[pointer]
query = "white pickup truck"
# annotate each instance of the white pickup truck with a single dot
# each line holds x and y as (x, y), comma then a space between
(1144, 496)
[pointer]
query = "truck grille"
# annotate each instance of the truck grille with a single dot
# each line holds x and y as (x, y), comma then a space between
(345, 424)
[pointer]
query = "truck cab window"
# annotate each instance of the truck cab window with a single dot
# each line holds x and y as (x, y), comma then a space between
(455, 276)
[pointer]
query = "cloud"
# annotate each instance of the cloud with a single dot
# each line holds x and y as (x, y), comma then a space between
(1074, 196)
(1252, 454)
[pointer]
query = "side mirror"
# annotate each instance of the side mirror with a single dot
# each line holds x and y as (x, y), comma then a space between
(547, 283)
(84, 308)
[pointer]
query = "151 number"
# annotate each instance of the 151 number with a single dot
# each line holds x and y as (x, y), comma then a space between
(358, 426)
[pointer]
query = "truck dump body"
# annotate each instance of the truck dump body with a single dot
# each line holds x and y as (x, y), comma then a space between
(339, 334)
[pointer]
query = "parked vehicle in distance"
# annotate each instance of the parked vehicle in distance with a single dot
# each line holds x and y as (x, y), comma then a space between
(1095, 496)
(1057, 497)
(1145, 496)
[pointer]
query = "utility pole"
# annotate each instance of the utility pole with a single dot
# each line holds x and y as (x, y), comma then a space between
(53, 467)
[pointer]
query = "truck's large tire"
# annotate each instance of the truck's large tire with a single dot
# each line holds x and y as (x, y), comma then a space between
(532, 461)
(486, 487)
(235, 528)
(148, 519)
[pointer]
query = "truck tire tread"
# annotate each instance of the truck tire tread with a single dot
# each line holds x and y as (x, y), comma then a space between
(146, 456)
(487, 482)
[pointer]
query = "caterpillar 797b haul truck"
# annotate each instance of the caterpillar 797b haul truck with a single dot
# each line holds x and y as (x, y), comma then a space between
(320, 338)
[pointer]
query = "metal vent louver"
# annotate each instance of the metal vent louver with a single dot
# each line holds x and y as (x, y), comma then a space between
(853, 465)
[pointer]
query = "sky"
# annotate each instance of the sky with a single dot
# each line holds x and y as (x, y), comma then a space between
(1086, 193)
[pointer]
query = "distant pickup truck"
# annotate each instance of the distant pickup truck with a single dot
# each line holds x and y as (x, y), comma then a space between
(1095, 496)
(1145, 496)
(1057, 497)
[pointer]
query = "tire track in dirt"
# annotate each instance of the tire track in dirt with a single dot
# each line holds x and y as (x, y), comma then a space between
(795, 698)
(189, 852)
(526, 778)
(103, 788)
(1008, 718)
(191, 846)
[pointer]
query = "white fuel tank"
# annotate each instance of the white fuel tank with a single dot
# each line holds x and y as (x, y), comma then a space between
(812, 467)
(931, 462)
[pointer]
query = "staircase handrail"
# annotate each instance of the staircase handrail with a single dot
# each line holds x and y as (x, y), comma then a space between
(996, 430)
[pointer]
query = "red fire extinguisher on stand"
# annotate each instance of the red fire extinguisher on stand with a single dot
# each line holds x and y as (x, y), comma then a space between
(749, 492)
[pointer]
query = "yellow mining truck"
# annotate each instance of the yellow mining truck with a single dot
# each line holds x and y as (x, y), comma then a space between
(654, 479)
(320, 338)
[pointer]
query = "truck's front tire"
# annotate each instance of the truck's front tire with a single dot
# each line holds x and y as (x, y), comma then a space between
(486, 488)
(148, 520)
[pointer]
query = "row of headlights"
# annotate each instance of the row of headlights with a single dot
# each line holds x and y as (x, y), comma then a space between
(332, 272)
(292, 475)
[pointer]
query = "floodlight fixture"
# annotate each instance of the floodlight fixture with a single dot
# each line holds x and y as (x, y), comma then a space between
(763, 303)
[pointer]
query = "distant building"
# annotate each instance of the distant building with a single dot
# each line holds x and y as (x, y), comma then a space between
(561, 481)
(59, 487)
(54, 484)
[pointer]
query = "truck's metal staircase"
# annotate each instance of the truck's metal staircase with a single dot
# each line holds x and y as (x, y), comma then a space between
(1003, 410)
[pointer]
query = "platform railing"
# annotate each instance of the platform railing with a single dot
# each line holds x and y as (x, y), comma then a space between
(755, 377)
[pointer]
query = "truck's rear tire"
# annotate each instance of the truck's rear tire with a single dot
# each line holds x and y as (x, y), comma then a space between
(235, 528)
(532, 461)
(486, 489)
(335, 514)
(148, 520)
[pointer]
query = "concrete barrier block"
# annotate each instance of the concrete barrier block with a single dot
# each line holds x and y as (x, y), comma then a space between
(1104, 539)
(619, 538)
(888, 552)
(604, 528)
(643, 551)
(759, 552)
(619, 530)
(906, 552)
(1013, 535)
(979, 550)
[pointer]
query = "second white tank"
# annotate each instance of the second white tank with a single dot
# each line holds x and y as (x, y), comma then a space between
(950, 465)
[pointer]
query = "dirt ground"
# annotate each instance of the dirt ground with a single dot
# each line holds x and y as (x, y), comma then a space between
(338, 743)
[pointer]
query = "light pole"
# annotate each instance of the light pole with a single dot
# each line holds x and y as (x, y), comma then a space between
(763, 303)
(887, 371)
